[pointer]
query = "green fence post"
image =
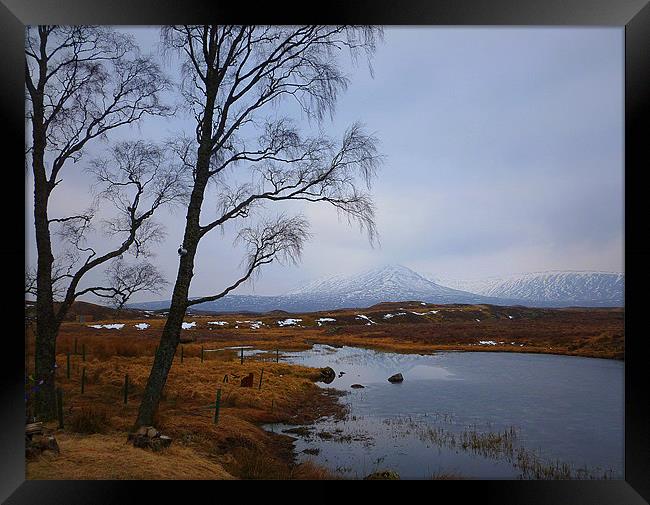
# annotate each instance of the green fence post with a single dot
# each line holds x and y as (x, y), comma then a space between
(217, 404)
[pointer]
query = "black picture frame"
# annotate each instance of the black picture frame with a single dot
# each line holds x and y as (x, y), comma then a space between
(633, 15)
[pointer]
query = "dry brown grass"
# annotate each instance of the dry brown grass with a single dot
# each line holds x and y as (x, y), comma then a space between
(237, 446)
(88, 420)
(98, 457)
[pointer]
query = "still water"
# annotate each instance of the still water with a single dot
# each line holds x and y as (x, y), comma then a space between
(450, 413)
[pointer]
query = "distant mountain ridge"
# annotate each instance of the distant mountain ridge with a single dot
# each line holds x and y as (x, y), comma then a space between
(562, 287)
(399, 283)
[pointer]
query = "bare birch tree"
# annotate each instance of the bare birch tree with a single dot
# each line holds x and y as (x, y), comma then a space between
(82, 83)
(232, 78)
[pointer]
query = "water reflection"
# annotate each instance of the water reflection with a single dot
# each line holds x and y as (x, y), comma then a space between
(450, 414)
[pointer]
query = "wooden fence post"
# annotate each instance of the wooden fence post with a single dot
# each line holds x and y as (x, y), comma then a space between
(75, 346)
(277, 355)
(217, 404)
(241, 359)
(83, 352)
(126, 388)
(83, 380)
(59, 406)
(67, 365)
(261, 375)
(182, 354)
(201, 354)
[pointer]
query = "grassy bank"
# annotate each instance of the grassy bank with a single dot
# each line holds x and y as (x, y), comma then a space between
(93, 441)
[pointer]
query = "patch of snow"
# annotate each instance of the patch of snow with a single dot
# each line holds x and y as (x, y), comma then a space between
(142, 326)
(388, 316)
(115, 326)
(255, 325)
(289, 322)
(509, 317)
(487, 342)
(218, 323)
(322, 320)
(366, 318)
(422, 303)
(187, 326)
(478, 320)
(425, 313)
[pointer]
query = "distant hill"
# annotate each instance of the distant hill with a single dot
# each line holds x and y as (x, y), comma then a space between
(98, 312)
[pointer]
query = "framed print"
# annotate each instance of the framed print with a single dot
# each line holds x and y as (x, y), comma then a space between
(403, 244)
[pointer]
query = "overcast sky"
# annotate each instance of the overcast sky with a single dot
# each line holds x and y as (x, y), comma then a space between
(504, 154)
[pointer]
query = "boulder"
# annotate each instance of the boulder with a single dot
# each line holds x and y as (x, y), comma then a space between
(383, 475)
(148, 437)
(160, 442)
(142, 431)
(34, 429)
(357, 386)
(396, 378)
(327, 375)
(37, 444)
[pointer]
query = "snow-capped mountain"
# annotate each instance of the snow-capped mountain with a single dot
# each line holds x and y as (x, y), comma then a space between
(550, 288)
(398, 283)
(389, 282)
(386, 283)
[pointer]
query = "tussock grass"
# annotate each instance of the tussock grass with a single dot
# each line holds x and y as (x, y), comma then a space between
(98, 457)
(88, 420)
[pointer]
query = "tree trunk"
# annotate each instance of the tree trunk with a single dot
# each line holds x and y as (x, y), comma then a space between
(47, 325)
(168, 343)
(170, 337)
(44, 390)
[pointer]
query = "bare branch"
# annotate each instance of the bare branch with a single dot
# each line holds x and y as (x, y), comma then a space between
(84, 81)
(126, 280)
(318, 172)
(137, 180)
(280, 239)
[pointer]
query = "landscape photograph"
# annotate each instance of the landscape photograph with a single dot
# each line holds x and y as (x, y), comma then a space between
(324, 253)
